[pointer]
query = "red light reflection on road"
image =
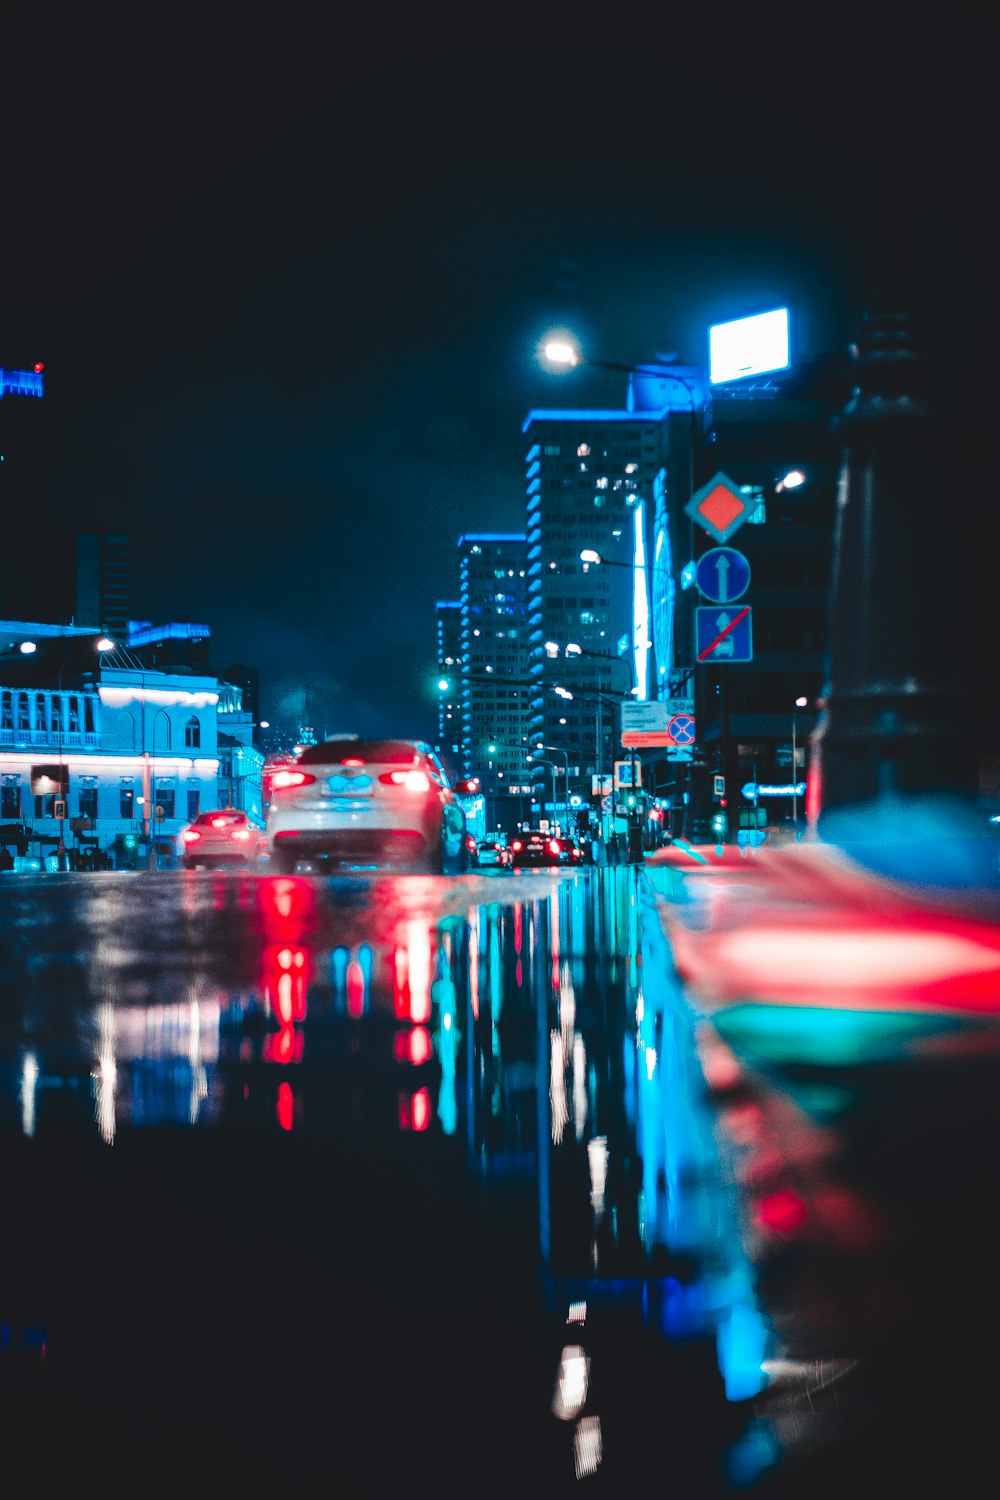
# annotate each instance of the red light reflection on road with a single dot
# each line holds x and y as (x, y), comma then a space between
(415, 1110)
(285, 974)
(412, 973)
(284, 1046)
(285, 1108)
(413, 1046)
(355, 990)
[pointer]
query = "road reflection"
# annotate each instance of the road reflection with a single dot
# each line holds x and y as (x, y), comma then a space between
(410, 1140)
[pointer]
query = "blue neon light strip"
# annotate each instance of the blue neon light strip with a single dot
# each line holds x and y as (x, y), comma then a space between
(21, 383)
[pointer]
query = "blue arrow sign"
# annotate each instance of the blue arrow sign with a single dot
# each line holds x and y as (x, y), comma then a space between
(723, 634)
(722, 574)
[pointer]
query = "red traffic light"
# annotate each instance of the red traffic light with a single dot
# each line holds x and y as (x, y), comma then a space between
(38, 368)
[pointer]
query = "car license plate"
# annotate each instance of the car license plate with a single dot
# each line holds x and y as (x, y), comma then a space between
(350, 786)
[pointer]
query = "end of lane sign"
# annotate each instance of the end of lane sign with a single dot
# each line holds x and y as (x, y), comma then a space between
(723, 634)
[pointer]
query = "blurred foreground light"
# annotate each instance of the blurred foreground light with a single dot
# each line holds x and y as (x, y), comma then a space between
(105, 643)
(792, 480)
(589, 555)
(27, 647)
(588, 1448)
(571, 1383)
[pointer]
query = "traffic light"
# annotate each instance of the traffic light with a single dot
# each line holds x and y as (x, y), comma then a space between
(719, 822)
(128, 841)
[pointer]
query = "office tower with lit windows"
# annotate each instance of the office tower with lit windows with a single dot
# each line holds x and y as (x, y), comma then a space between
(494, 667)
(592, 477)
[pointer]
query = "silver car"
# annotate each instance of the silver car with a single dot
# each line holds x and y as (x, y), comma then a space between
(363, 802)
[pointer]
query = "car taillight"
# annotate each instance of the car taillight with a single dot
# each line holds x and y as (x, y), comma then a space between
(190, 836)
(553, 846)
(516, 845)
(413, 781)
(283, 779)
(241, 833)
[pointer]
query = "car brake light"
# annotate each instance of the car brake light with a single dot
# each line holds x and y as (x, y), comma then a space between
(413, 781)
(553, 846)
(241, 833)
(517, 845)
(352, 762)
(190, 836)
(284, 779)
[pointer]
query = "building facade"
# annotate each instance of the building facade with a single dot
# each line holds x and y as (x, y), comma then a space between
(494, 653)
(100, 757)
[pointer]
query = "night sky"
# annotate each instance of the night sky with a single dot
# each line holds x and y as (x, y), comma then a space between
(288, 281)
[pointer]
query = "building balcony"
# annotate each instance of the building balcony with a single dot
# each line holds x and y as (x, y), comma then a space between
(44, 739)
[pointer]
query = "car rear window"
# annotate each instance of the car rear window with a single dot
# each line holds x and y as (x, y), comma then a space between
(227, 818)
(382, 752)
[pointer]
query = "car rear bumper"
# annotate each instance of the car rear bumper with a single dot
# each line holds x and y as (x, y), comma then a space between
(382, 844)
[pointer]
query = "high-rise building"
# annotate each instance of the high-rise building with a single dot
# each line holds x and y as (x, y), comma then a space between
(50, 572)
(495, 698)
(591, 479)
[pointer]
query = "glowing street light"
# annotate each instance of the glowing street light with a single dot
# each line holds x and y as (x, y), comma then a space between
(800, 702)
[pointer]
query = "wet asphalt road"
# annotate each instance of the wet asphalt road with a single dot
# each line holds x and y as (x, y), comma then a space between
(273, 1207)
(324, 1183)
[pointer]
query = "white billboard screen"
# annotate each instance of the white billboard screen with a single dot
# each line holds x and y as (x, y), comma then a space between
(748, 346)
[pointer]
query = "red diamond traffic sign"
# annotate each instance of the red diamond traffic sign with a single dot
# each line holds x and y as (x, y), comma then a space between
(720, 507)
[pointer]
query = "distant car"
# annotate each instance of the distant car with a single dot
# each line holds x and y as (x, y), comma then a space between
(570, 850)
(535, 848)
(351, 801)
(492, 853)
(225, 836)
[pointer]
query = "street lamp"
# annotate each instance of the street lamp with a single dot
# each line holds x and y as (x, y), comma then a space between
(557, 750)
(565, 355)
(801, 702)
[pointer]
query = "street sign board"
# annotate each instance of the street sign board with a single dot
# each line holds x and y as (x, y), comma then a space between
(681, 729)
(720, 507)
(623, 774)
(667, 722)
(752, 790)
(722, 575)
(718, 786)
(723, 634)
(645, 724)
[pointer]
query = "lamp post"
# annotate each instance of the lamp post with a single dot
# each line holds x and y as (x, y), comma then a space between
(543, 760)
(800, 702)
(565, 355)
(565, 754)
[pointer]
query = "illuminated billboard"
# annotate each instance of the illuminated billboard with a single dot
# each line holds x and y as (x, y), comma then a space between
(748, 346)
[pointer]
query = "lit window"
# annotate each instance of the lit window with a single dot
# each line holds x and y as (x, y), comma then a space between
(602, 482)
(631, 468)
(583, 451)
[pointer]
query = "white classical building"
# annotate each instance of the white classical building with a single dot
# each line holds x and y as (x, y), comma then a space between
(108, 754)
